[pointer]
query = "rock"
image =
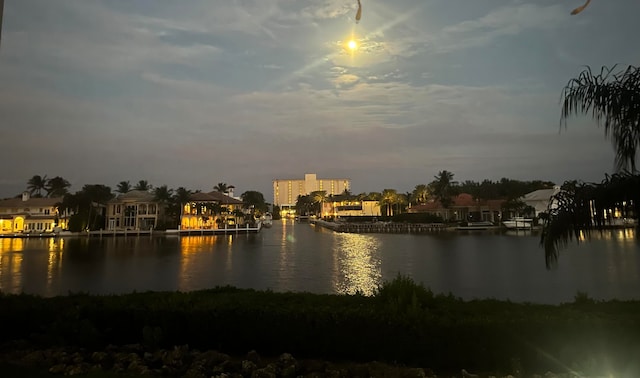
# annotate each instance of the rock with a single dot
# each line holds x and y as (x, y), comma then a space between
(312, 366)
(288, 371)
(99, 357)
(79, 369)
(414, 373)
(212, 358)
(248, 367)
(58, 369)
(36, 358)
(77, 358)
(254, 357)
(266, 372)
(286, 359)
(466, 374)
(138, 367)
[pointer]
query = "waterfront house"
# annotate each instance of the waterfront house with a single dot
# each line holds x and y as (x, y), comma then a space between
(211, 210)
(338, 208)
(134, 210)
(540, 199)
(463, 208)
(26, 214)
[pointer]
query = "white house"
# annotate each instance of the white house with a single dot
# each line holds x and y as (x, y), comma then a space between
(540, 199)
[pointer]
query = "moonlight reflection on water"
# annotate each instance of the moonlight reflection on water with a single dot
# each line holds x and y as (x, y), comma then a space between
(359, 264)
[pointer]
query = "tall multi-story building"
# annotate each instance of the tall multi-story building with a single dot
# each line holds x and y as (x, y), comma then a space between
(286, 191)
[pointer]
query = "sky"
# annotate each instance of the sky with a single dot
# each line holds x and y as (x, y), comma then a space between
(196, 92)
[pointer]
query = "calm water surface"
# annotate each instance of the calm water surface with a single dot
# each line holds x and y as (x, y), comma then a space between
(300, 257)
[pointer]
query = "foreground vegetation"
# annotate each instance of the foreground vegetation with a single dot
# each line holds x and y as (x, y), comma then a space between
(403, 323)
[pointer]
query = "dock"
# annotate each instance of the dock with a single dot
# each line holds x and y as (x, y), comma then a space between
(216, 231)
(382, 227)
(112, 233)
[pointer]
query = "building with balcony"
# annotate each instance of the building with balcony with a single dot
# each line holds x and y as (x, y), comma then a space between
(26, 214)
(286, 191)
(134, 210)
(210, 211)
(350, 208)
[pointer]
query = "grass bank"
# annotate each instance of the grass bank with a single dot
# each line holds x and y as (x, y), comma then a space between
(404, 323)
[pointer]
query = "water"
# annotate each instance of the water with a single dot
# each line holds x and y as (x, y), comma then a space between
(301, 257)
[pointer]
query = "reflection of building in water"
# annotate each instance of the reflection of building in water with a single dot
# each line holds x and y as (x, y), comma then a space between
(358, 264)
(195, 256)
(286, 191)
(11, 264)
(26, 214)
(54, 263)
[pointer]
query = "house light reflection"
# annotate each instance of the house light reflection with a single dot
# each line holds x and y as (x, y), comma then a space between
(54, 262)
(11, 264)
(359, 266)
(191, 249)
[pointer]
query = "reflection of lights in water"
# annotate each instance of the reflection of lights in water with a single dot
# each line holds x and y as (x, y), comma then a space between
(619, 235)
(358, 264)
(11, 244)
(582, 236)
(54, 263)
(11, 265)
(190, 247)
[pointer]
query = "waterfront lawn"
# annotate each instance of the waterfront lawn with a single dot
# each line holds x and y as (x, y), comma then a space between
(403, 324)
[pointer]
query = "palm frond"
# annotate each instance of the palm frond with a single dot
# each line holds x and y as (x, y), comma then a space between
(580, 208)
(613, 101)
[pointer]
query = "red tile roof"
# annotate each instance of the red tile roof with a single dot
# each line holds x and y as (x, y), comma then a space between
(461, 200)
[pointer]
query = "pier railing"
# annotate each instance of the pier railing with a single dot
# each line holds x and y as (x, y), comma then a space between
(382, 227)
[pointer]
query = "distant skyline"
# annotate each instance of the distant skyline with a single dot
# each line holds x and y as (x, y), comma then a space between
(198, 92)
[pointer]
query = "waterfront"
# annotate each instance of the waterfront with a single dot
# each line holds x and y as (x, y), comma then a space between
(300, 257)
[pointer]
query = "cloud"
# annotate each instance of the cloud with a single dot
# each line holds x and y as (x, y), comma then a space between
(503, 21)
(197, 92)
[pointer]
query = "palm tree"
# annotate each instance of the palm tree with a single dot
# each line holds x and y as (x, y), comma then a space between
(143, 185)
(36, 185)
(388, 198)
(319, 197)
(162, 195)
(180, 197)
(57, 187)
(123, 187)
(420, 194)
(444, 188)
(304, 204)
(222, 187)
(612, 99)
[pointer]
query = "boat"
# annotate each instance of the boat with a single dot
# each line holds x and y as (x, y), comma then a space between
(518, 223)
(267, 220)
(476, 226)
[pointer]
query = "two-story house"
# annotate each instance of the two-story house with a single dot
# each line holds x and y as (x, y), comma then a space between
(209, 211)
(134, 210)
(26, 214)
